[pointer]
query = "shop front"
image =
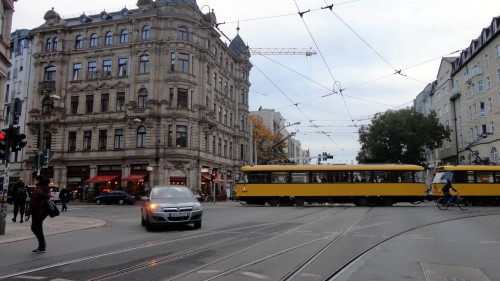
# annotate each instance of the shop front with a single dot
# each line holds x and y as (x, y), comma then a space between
(75, 175)
(178, 177)
(137, 183)
(103, 183)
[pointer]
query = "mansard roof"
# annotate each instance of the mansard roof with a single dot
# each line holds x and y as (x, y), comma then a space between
(237, 46)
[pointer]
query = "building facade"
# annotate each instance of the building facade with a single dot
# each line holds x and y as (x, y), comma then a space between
(17, 95)
(6, 12)
(135, 98)
(466, 99)
(275, 122)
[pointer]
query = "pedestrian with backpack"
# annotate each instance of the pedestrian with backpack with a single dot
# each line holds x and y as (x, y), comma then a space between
(19, 196)
(39, 210)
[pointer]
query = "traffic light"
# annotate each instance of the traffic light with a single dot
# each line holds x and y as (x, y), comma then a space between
(214, 174)
(324, 156)
(46, 158)
(18, 141)
(3, 143)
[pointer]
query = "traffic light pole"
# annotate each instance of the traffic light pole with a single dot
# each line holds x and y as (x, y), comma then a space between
(8, 144)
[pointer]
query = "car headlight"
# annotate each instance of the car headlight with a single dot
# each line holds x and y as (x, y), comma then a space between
(154, 208)
(197, 207)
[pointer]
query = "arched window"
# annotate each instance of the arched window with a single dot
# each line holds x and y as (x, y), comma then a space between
(141, 136)
(50, 73)
(78, 42)
(182, 33)
(124, 36)
(144, 64)
(47, 105)
(48, 45)
(142, 99)
(494, 155)
(55, 47)
(108, 39)
(146, 32)
(93, 40)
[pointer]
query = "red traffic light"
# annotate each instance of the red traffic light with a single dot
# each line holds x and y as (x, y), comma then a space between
(2, 136)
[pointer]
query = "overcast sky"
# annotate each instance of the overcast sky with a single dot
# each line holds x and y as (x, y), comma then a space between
(359, 44)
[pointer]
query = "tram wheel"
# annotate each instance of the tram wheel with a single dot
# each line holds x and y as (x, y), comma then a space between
(388, 202)
(363, 202)
(273, 202)
(299, 202)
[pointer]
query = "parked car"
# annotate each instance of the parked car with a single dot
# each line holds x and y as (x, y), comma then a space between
(115, 197)
(54, 193)
(171, 205)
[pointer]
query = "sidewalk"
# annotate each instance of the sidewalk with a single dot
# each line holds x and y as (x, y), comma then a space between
(15, 231)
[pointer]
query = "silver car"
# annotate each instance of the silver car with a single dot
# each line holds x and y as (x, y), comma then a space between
(169, 205)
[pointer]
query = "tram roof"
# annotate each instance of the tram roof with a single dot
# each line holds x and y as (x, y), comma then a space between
(361, 167)
(468, 168)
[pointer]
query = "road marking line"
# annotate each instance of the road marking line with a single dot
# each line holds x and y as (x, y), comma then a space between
(255, 275)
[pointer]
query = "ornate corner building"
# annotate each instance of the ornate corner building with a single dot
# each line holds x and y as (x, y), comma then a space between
(135, 98)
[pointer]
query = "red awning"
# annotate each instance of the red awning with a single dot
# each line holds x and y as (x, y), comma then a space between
(217, 180)
(135, 177)
(100, 179)
(205, 176)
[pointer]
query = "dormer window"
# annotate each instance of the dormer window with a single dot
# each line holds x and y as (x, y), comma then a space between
(85, 19)
(105, 16)
(125, 12)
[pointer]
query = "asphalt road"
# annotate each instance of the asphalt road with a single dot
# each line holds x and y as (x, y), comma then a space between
(238, 242)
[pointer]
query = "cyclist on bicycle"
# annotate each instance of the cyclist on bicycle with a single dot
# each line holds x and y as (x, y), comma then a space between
(446, 191)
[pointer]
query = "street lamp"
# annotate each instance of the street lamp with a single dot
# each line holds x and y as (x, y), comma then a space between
(288, 125)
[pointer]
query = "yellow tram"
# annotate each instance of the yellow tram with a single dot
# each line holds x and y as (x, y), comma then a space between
(479, 184)
(362, 185)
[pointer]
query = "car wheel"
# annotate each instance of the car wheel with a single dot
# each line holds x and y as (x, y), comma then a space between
(121, 202)
(98, 202)
(148, 226)
(197, 224)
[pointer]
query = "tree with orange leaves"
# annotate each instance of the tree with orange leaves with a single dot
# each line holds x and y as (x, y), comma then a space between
(268, 145)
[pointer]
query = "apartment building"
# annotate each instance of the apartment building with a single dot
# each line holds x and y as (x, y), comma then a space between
(134, 98)
(466, 99)
(6, 11)
(17, 94)
(275, 122)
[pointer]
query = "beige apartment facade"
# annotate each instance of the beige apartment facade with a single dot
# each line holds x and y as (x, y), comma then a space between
(135, 98)
(466, 99)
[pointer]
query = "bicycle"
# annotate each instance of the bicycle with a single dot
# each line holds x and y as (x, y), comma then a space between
(462, 203)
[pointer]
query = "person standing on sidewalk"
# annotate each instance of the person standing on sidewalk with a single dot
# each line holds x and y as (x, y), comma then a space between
(19, 195)
(64, 197)
(38, 210)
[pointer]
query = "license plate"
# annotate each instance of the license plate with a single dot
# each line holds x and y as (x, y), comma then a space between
(180, 214)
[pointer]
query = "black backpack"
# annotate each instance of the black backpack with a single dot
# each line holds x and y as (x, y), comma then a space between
(22, 192)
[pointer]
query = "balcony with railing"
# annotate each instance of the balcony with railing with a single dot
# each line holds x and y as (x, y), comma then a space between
(47, 86)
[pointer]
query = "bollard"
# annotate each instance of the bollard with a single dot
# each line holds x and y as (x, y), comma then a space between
(3, 217)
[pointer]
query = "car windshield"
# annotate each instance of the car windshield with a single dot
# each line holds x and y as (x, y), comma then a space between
(170, 192)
